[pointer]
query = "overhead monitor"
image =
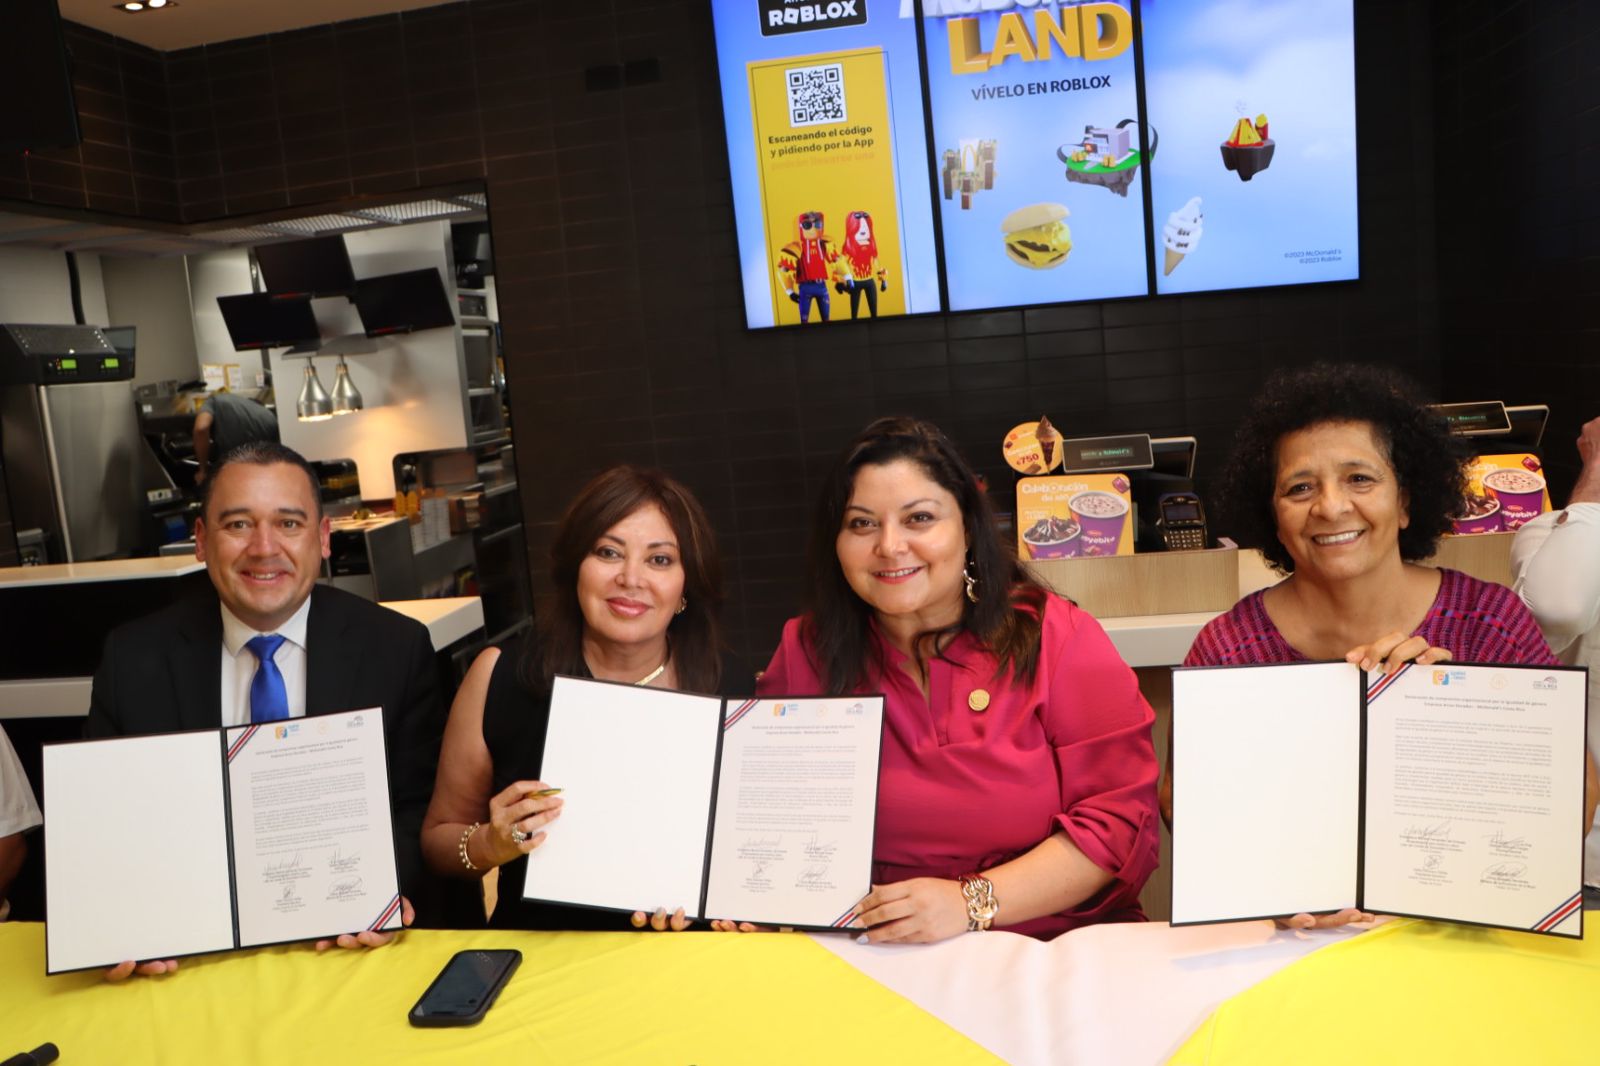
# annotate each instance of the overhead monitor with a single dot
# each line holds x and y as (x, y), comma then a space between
(403, 303)
(319, 266)
(257, 320)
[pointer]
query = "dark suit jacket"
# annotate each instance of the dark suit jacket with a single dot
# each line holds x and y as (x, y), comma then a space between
(163, 673)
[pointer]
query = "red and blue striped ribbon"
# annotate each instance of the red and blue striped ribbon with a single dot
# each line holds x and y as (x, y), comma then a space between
(388, 912)
(1378, 687)
(1559, 915)
(244, 738)
(738, 713)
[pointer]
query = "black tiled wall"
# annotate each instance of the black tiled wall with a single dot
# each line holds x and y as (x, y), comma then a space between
(125, 165)
(618, 273)
(1519, 233)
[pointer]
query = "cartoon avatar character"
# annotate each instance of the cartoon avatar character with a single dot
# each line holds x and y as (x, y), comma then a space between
(861, 256)
(804, 265)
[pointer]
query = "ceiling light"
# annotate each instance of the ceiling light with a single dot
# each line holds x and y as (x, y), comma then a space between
(346, 398)
(134, 7)
(314, 404)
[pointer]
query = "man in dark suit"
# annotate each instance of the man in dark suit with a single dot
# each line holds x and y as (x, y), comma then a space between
(271, 643)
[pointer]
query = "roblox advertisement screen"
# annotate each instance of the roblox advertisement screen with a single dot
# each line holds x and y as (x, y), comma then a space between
(826, 141)
(1054, 174)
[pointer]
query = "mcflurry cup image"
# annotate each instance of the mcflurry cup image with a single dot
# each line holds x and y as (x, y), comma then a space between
(1521, 495)
(1102, 515)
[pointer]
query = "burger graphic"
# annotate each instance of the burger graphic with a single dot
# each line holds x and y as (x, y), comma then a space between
(1037, 236)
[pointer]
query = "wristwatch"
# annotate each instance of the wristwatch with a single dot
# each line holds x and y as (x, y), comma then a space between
(982, 906)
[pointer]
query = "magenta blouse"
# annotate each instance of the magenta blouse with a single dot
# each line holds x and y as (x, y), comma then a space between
(962, 790)
(1475, 621)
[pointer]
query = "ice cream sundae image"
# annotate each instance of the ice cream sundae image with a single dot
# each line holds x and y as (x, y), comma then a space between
(1181, 234)
(1248, 150)
(1048, 437)
(1479, 513)
(1052, 538)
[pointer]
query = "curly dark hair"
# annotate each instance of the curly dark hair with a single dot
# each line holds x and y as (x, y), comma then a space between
(1007, 617)
(1427, 460)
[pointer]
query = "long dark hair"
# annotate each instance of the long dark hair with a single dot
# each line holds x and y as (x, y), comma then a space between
(1005, 620)
(1427, 460)
(695, 634)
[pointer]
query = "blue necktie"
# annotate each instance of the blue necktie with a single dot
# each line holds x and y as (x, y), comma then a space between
(269, 700)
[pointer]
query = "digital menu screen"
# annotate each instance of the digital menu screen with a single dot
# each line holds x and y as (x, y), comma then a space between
(1069, 150)
(1255, 183)
(826, 141)
(1036, 143)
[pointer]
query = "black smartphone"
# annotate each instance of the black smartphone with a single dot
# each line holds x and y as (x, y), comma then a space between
(466, 987)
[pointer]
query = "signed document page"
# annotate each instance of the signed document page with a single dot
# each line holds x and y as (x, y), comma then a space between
(635, 766)
(1475, 795)
(1266, 767)
(313, 847)
(137, 850)
(796, 804)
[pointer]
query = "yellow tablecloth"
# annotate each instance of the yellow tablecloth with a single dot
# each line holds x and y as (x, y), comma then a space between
(1417, 993)
(692, 998)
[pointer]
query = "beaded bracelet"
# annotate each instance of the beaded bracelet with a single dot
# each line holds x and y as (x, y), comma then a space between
(461, 848)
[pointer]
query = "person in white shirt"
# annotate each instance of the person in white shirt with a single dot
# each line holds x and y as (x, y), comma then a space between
(1555, 568)
(18, 814)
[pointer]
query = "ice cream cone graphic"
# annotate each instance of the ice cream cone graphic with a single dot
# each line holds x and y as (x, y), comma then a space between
(1047, 437)
(1181, 234)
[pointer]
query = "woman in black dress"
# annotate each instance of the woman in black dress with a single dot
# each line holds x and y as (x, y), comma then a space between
(638, 585)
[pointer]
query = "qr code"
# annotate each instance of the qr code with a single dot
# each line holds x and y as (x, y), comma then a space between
(816, 95)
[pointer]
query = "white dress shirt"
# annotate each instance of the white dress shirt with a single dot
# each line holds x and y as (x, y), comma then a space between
(18, 810)
(1555, 568)
(239, 665)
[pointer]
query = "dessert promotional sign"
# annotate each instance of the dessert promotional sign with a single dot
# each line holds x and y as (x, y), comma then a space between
(1068, 516)
(1033, 447)
(1256, 180)
(824, 115)
(1504, 492)
(1036, 151)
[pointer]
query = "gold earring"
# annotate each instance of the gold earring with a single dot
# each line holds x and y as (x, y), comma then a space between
(972, 583)
(683, 605)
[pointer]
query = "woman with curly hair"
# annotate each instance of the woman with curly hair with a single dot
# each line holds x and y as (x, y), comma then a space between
(1017, 780)
(1345, 481)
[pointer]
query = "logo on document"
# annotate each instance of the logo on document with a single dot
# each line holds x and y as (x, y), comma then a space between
(1448, 677)
(356, 723)
(781, 709)
(287, 730)
(1546, 683)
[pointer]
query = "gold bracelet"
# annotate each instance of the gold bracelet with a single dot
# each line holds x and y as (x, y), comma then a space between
(982, 906)
(461, 848)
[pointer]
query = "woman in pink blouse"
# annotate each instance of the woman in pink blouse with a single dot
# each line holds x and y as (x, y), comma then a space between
(1017, 783)
(1345, 481)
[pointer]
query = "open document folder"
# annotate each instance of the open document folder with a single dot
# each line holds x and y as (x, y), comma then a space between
(752, 810)
(1450, 791)
(184, 843)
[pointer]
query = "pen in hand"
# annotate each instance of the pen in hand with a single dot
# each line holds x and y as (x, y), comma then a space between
(543, 792)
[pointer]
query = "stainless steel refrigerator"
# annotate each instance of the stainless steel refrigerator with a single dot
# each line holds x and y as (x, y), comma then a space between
(69, 441)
